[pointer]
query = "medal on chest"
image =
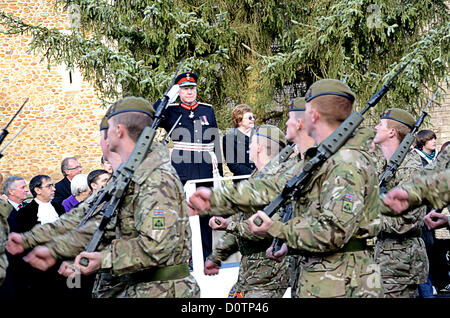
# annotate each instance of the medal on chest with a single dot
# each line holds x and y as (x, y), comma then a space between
(204, 120)
(191, 115)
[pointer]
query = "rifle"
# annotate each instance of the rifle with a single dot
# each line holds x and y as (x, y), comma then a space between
(1, 154)
(402, 150)
(123, 174)
(5, 130)
(326, 149)
(166, 140)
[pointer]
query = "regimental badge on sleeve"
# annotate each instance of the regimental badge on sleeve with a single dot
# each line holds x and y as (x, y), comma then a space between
(158, 221)
(347, 203)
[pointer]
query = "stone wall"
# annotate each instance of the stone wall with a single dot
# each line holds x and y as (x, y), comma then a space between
(62, 117)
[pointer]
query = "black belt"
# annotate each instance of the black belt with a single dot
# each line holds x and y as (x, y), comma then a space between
(394, 236)
(158, 274)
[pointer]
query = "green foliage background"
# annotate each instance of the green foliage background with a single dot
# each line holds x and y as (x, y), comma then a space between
(262, 53)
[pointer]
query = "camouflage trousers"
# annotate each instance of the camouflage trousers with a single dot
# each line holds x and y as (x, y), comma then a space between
(355, 276)
(261, 277)
(396, 290)
(108, 286)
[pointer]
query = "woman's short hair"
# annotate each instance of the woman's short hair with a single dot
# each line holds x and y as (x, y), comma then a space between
(79, 184)
(238, 113)
(423, 136)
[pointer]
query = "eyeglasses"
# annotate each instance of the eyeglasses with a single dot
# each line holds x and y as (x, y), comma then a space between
(251, 117)
(77, 167)
(48, 186)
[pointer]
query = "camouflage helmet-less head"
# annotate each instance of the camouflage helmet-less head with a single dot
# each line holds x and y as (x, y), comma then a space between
(329, 87)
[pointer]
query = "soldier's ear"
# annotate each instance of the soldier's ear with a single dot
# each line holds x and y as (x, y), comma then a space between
(299, 125)
(393, 132)
(314, 115)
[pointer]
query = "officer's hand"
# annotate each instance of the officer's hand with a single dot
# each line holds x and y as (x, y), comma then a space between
(95, 262)
(211, 268)
(14, 245)
(264, 227)
(434, 220)
(200, 199)
(40, 258)
(397, 200)
(67, 269)
(218, 223)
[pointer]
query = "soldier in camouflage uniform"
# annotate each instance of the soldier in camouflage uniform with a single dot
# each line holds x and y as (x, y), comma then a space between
(152, 245)
(431, 188)
(399, 249)
(259, 277)
(5, 208)
(339, 206)
(161, 274)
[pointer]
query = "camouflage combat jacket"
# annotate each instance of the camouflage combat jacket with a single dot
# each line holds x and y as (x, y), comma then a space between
(5, 209)
(339, 207)
(150, 231)
(257, 274)
(433, 187)
(399, 249)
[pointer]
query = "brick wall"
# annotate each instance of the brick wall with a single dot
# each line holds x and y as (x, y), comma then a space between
(62, 118)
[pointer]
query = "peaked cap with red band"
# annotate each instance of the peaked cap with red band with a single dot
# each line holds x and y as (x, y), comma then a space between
(186, 79)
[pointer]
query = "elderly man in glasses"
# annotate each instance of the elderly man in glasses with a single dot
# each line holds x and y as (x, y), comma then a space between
(70, 167)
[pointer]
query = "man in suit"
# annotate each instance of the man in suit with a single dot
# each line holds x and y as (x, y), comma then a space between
(70, 167)
(16, 191)
(31, 282)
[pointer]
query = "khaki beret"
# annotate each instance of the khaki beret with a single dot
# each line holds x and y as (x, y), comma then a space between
(130, 104)
(329, 87)
(104, 123)
(400, 115)
(271, 132)
(297, 104)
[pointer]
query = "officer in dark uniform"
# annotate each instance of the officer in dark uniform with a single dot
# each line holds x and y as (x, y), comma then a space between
(196, 152)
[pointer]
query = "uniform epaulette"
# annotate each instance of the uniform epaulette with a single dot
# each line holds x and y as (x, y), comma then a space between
(205, 104)
(174, 104)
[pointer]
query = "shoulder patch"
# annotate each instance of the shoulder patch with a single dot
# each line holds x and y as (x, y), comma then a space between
(347, 203)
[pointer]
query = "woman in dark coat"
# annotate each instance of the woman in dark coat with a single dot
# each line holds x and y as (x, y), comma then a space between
(237, 141)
